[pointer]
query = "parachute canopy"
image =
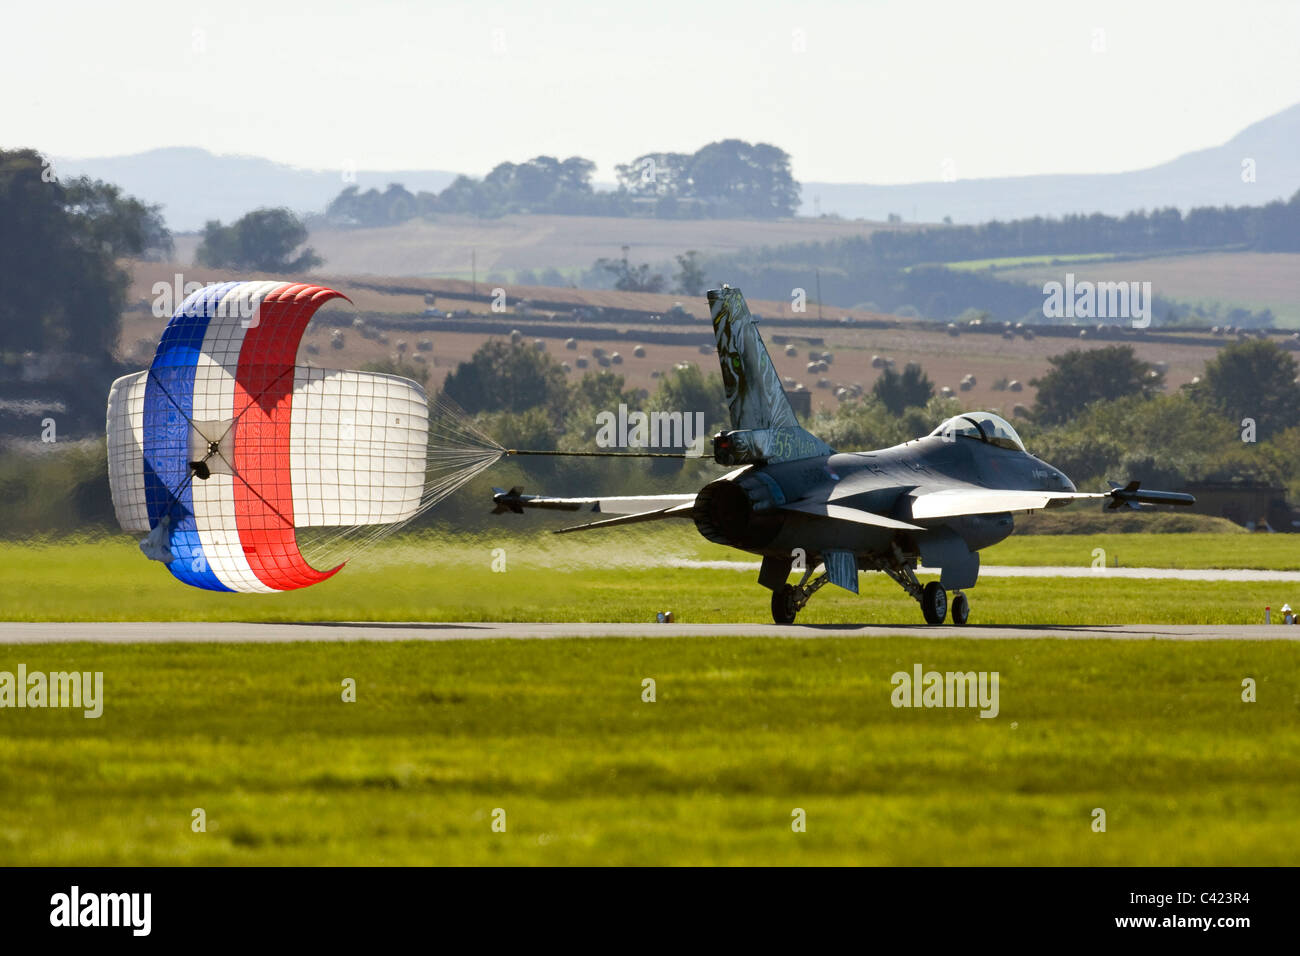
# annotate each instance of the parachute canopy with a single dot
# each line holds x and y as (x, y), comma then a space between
(224, 448)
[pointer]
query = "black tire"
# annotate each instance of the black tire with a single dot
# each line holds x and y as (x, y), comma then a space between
(784, 606)
(960, 609)
(934, 603)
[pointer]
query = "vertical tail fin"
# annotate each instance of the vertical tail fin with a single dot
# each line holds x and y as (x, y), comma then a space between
(763, 425)
(755, 396)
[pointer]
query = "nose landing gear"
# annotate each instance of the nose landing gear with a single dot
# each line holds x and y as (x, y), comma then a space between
(960, 609)
(934, 603)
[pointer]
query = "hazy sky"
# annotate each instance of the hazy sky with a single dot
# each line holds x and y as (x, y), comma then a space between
(865, 91)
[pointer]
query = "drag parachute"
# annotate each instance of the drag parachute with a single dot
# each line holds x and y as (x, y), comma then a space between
(248, 472)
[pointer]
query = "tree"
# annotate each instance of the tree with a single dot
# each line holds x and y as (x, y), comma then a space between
(909, 390)
(262, 241)
(124, 225)
(602, 390)
(1252, 380)
(688, 390)
(396, 366)
(62, 288)
(512, 377)
(373, 208)
(1080, 377)
(690, 276)
(661, 175)
(630, 278)
(745, 178)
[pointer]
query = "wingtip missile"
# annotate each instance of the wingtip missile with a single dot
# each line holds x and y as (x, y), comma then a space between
(508, 500)
(1132, 496)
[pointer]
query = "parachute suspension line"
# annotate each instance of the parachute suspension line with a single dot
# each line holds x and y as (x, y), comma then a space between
(598, 454)
(456, 452)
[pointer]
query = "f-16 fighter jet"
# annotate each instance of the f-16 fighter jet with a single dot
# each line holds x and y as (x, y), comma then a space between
(933, 502)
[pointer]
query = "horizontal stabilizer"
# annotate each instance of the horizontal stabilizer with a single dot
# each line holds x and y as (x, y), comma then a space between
(845, 513)
(678, 511)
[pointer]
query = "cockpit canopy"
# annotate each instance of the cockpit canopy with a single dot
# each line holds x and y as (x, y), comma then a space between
(983, 426)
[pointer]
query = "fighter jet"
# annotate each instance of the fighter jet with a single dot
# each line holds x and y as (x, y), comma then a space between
(933, 502)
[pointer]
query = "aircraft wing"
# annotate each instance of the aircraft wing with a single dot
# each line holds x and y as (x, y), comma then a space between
(953, 502)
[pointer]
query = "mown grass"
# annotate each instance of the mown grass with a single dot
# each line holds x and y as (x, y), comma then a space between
(611, 577)
(1269, 552)
(742, 733)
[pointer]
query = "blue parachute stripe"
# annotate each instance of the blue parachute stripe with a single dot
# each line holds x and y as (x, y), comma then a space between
(168, 406)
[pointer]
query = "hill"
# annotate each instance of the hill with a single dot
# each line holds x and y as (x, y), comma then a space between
(195, 185)
(1206, 177)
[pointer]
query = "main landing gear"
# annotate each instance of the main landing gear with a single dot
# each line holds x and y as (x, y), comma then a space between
(932, 597)
(789, 599)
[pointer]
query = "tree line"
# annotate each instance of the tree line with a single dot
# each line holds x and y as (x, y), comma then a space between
(1274, 227)
(729, 178)
(1099, 414)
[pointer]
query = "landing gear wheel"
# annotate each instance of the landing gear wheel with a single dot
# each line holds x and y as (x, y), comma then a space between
(934, 603)
(960, 609)
(785, 604)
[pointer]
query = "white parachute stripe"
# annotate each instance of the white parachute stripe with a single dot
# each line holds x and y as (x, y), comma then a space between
(125, 428)
(214, 400)
(358, 445)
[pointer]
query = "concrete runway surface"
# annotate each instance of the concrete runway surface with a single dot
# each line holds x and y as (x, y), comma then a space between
(1055, 571)
(237, 633)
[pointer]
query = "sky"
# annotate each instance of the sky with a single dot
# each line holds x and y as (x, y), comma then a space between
(869, 91)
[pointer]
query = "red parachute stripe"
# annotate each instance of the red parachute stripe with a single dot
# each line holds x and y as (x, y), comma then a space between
(263, 410)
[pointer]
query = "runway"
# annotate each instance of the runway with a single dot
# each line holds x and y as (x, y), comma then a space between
(239, 633)
(1057, 571)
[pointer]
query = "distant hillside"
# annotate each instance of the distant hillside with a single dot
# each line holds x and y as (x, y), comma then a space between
(1207, 177)
(194, 185)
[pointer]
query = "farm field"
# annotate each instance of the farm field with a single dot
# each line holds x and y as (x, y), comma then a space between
(994, 361)
(1250, 280)
(442, 247)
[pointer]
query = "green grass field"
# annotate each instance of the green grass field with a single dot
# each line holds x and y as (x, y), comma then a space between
(436, 577)
(742, 733)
